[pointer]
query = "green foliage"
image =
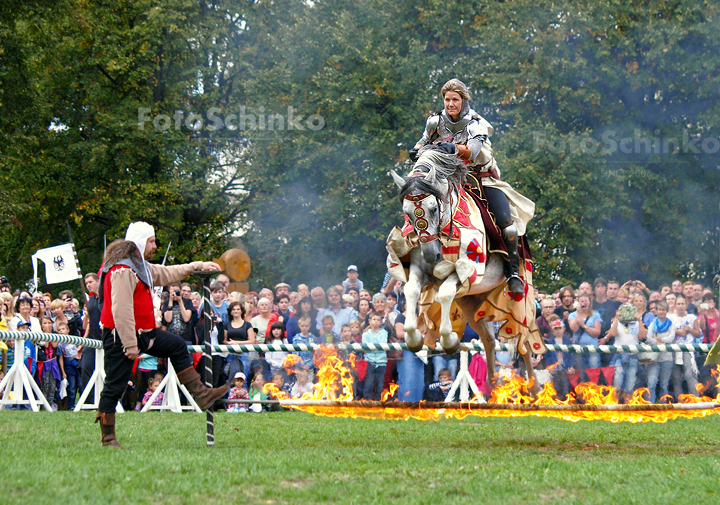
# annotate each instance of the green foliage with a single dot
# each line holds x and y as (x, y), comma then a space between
(564, 85)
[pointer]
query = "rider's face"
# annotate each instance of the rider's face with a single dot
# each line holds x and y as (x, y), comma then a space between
(453, 103)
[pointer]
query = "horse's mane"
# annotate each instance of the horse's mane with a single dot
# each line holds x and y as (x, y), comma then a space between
(447, 167)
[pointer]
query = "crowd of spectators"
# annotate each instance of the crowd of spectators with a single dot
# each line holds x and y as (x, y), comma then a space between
(602, 313)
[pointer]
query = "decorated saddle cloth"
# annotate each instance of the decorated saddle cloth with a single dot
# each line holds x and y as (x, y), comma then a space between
(464, 250)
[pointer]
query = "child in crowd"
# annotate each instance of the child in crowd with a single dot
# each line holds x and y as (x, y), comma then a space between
(238, 392)
(377, 360)
(302, 384)
(71, 360)
(437, 391)
(146, 370)
(275, 358)
(304, 337)
(559, 363)
(352, 279)
(152, 386)
(279, 382)
(328, 336)
(51, 357)
(256, 391)
(356, 331)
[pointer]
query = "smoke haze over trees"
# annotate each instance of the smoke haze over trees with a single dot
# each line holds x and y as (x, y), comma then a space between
(606, 115)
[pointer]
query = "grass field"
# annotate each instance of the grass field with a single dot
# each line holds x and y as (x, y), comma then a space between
(289, 457)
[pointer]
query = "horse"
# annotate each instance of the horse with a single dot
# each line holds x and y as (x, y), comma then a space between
(432, 194)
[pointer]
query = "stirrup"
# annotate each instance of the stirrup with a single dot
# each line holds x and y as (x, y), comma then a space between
(516, 285)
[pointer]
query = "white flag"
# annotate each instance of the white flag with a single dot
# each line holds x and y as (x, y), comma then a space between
(60, 263)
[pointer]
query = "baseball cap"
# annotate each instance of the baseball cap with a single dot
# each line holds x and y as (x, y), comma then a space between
(352, 267)
(240, 375)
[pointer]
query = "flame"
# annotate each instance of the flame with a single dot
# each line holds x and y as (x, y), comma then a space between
(389, 392)
(335, 383)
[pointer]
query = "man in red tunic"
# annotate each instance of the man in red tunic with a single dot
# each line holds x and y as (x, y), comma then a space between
(128, 321)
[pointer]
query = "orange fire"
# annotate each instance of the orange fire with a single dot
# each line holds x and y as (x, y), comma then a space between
(335, 382)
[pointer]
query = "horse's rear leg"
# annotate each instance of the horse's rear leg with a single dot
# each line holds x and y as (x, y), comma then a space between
(445, 296)
(535, 388)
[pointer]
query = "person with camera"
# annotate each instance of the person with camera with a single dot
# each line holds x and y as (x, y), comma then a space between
(178, 315)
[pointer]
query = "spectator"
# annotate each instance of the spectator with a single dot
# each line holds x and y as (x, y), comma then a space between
(670, 299)
(282, 289)
(559, 363)
(328, 335)
(276, 336)
(303, 291)
(260, 322)
(364, 310)
(567, 301)
(613, 287)
(152, 386)
(238, 331)
(352, 279)
(638, 299)
(51, 357)
(676, 287)
(340, 315)
(664, 290)
(655, 296)
(218, 304)
(178, 315)
(626, 328)
(377, 360)
(302, 385)
(661, 331)
(697, 294)
(70, 360)
(355, 294)
(437, 391)
(585, 324)
(92, 329)
(305, 308)
(364, 294)
(147, 367)
(319, 302)
(294, 301)
(282, 314)
(688, 291)
(304, 337)
(238, 392)
(23, 306)
(708, 323)
(604, 306)
(74, 319)
(547, 306)
(686, 330)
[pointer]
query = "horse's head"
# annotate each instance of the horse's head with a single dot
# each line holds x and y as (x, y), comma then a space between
(425, 195)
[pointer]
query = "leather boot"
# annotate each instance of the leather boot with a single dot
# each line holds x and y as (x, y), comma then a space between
(514, 282)
(202, 395)
(107, 427)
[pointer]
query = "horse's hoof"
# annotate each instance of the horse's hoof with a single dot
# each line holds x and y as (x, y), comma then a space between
(451, 343)
(414, 341)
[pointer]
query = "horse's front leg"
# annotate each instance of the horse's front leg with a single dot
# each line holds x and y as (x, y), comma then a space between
(445, 296)
(413, 338)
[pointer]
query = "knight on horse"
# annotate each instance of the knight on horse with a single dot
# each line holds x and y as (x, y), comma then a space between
(460, 130)
(462, 253)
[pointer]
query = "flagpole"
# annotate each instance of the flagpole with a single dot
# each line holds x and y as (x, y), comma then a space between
(77, 262)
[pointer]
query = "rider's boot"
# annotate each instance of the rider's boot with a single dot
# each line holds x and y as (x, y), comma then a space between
(514, 282)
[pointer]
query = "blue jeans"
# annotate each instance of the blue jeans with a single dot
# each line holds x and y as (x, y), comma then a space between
(684, 371)
(663, 370)
(626, 367)
(444, 361)
(411, 378)
(374, 378)
(73, 378)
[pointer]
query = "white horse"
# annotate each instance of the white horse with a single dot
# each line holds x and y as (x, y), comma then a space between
(429, 196)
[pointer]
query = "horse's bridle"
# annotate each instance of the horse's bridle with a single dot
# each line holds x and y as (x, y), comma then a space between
(421, 224)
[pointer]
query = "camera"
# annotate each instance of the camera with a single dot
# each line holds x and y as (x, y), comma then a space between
(177, 292)
(633, 283)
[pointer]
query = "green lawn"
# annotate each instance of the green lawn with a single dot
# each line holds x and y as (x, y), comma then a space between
(290, 457)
